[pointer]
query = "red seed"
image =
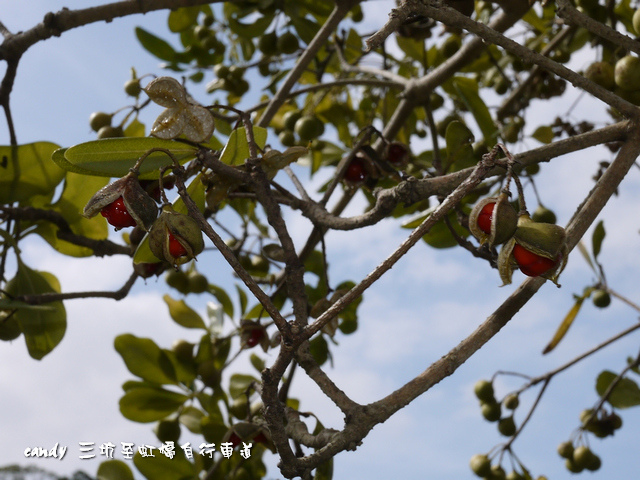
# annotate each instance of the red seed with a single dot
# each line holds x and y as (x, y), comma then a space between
(356, 171)
(176, 249)
(485, 218)
(531, 264)
(117, 214)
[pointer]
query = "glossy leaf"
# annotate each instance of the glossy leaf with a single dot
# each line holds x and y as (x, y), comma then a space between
(78, 189)
(155, 45)
(145, 359)
(191, 417)
(113, 157)
(564, 326)
(27, 170)
(597, 238)
(236, 151)
(239, 383)
(114, 470)
(467, 90)
(544, 134)
(150, 403)
(625, 394)
(161, 466)
(182, 314)
(223, 298)
(182, 18)
(43, 329)
(459, 149)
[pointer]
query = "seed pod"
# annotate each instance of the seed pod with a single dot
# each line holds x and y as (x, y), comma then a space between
(544, 239)
(493, 220)
(175, 237)
(139, 204)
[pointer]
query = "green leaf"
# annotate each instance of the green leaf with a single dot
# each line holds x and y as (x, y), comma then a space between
(625, 394)
(250, 30)
(597, 238)
(257, 362)
(305, 28)
(113, 157)
(239, 383)
(78, 189)
(236, 151)
(564, 325)
(182, 18)
(544, 134)
(145, 359)
(467, 90)
(150, 403)
(242, 296)
(42, 329)
(155, 45)
(161, 466)
(114, 470)
(191, 417)
(459, 138)
(439, 236)
(223, 298)
(182, 314)
(532, 18)
(27, 170)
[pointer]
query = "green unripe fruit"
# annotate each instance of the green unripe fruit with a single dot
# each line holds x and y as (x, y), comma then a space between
(601, 73)
(132, 88)
(309, 127)
(480, 465)
(506, 426)
(484, 391)
(627, 73)
(543, 215)
(198, 283)
(594, 463)
(201, 32)
(498, 473)
(268, 44)
(572, 467)
(290, 118)
(451, 45)
(565, 449)
(208, 20)
(287, 43)
(532, 169)
(167, 431)
(491, 411)
(178, 279)
(97, 120)
(183, 350)
(636, 21)
(435, 101)
(356, 14)
(515, 476)
(601, 298)
(287, 138)
(110, 132)
(582, 456)
(221, 71)
(9, 327)
(236, 72)
(512, 401)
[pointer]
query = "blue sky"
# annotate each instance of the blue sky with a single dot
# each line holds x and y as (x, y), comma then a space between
(424, 306)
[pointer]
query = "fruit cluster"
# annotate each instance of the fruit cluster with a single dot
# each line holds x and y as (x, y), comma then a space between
(492, 409)
(173, 237)
(579, 458)
(299, 128)
(537, 248)
(187, 282)
(362, 167)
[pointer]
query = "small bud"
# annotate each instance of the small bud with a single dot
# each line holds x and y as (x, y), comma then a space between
(493, 220)
(136, 203)
(175, 237)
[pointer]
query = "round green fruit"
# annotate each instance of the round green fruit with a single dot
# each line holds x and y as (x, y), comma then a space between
(506, 426)
(132, 88)
(268, 44)
(565, 449)
(197, 283)
(9, 327)
(601, 298)
(582, 456)
(178, 279)
(287, 43)
(97, 120)
(480, 465)
(309, 127)
(627, 73)
(498, 473)
(601, 73)
(484, 391)
(221, 71)
(636, 21)
(491, 411)
(110, 132)
(183, 350)
(511, 401)
(167, 431)
(287, 138)
(543, 215)
(290, 118)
